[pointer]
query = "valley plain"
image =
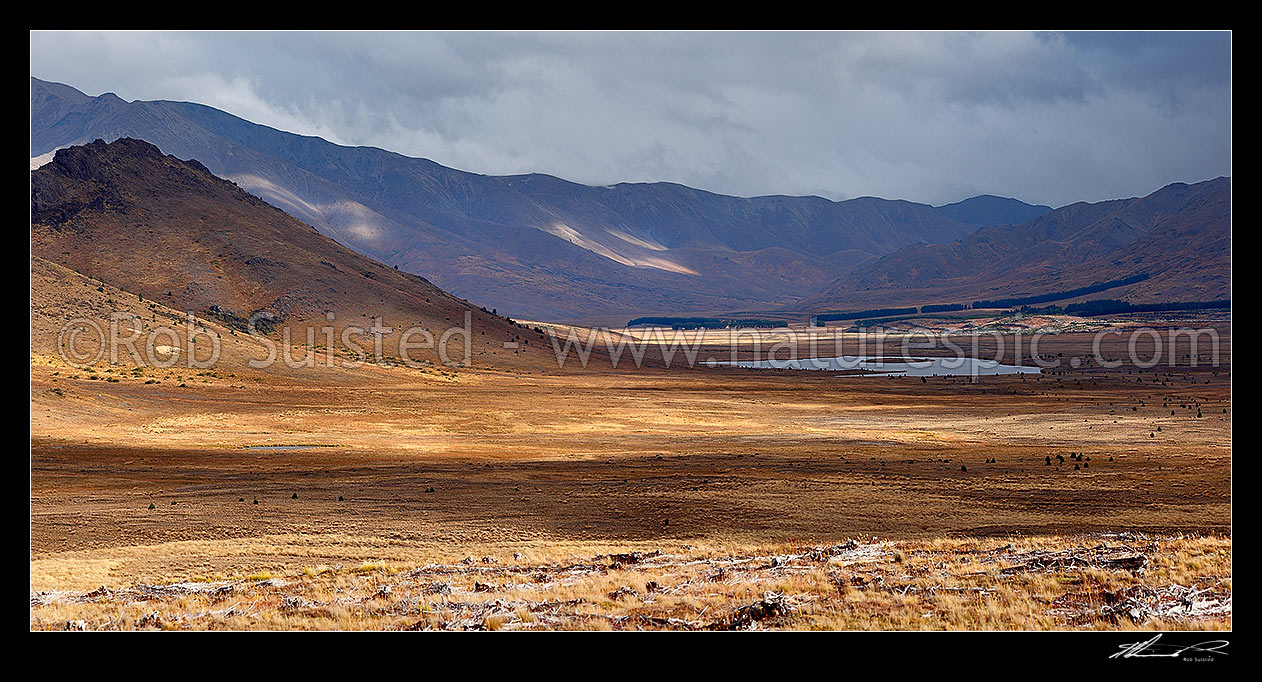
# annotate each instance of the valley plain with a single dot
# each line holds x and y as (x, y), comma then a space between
(284, 489)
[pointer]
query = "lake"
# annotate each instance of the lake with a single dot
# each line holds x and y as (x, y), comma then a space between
(885, 366)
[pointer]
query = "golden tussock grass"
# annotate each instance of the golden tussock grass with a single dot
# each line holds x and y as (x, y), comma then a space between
(1040, 583)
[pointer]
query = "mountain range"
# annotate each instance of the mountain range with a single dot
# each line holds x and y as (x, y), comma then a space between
(1175, 241)
(529, 245)
(540, 247)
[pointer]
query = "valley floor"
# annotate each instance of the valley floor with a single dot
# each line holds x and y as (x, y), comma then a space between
(169, 499)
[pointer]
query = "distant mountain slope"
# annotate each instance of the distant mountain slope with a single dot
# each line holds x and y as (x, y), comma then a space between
(1179, 235)
(988, 209)
(173, 233)
(533, 245)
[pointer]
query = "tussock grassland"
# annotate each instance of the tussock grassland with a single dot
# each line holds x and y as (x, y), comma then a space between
(1111, 581)
(160, 488)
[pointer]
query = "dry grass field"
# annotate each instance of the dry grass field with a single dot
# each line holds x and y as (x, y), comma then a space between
(1111, 581)
(518, 498)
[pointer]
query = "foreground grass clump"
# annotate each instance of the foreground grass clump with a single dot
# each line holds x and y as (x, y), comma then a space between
(1108, 581)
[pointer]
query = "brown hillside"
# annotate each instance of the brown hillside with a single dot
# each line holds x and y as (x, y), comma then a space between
(172, 233)
(1180, 236)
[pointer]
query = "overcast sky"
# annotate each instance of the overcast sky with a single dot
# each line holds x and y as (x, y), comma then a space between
(934, 117)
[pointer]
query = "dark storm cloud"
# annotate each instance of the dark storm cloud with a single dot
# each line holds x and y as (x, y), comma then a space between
(1046, 117)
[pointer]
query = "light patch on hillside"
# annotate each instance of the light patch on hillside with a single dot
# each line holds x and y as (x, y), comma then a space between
(42, 159)
(663, 264)
(577, 238)
(361, 232)
(343, 219)
(271, 191)
(635, 240)
(359, 221)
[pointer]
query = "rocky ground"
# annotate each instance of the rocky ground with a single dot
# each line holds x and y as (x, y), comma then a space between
(1108, 581)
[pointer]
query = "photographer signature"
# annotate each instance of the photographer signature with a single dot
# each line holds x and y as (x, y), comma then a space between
(1151, 649)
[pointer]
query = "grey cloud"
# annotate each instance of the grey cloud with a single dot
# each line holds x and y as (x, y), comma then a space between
(1046, 117)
